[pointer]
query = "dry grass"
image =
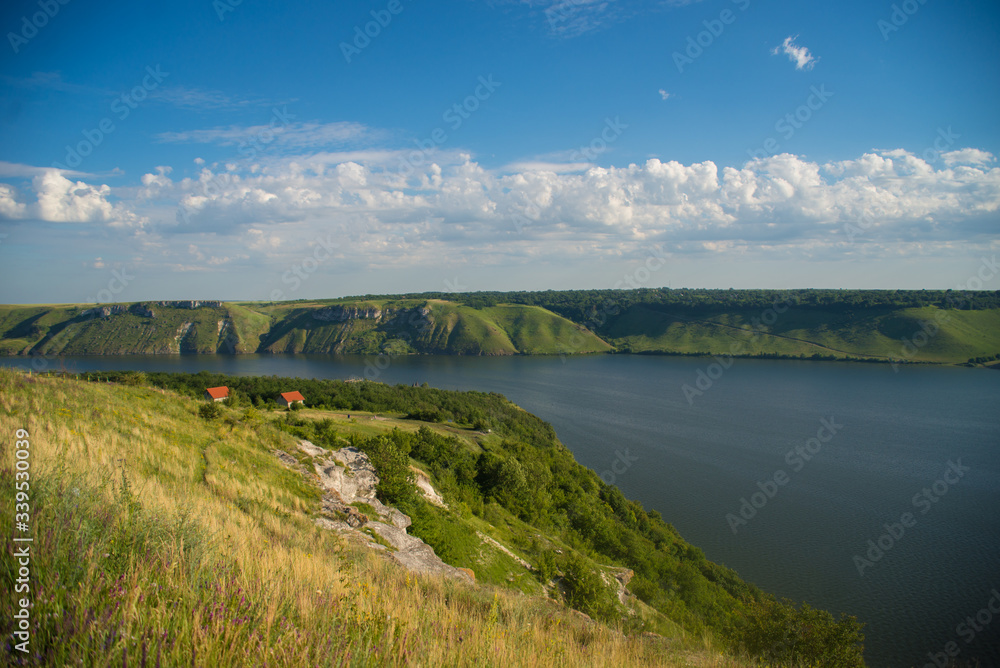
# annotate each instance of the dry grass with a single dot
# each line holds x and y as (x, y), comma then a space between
(162, 539)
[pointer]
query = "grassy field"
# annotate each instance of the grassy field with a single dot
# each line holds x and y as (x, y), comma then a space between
(163, 539)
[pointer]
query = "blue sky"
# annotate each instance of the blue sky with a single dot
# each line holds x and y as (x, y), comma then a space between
(263, 150)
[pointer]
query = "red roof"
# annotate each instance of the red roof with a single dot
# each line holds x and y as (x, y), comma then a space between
(289, 397)
(218, 392)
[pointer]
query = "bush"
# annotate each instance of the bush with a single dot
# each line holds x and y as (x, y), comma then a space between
(210, 411)
(586, 590)
(390, 457)
(134, 378)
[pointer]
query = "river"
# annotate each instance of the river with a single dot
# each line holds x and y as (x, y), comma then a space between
(782, 470)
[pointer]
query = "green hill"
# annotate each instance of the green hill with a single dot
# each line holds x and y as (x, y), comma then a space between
(888, 334)
(340, 326)
(886, 326)
(167, 530)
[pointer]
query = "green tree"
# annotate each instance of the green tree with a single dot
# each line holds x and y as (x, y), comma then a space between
(392, 464)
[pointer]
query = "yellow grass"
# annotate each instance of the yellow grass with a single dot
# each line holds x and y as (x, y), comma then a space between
(157, 532)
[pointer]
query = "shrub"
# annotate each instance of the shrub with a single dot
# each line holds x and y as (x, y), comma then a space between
(392, 464)
(586, 590)
(134, 378)
(210, 411)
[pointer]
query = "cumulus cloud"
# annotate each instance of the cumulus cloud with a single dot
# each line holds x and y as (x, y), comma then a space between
(779, 205)
(57, 199)
(664, 94)
(384, 209)
(797, 54)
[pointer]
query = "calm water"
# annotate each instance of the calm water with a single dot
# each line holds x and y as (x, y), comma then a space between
(894, 435)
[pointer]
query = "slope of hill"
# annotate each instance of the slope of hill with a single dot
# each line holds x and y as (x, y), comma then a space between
(918, 326)
(926, 334)
(170, 539)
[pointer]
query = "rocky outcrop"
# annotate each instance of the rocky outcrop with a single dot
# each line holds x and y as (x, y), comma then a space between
(412, 317)
(104, 311)
(342, 313)
(426, 489)
(619, 578)
(348, 477)
(115, 309)
(143, 310)
(191, 304)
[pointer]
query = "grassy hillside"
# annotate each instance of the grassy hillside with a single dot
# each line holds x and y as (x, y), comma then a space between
(888, 326)
(876, 333)
(163, 539)
(337, 326)
(161, 536)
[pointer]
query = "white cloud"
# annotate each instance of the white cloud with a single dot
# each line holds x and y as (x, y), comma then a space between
(783, 205)
(968, 156)
(59, 200)
(797, 54)
(385, 213)
(664, 94)
(547, 166)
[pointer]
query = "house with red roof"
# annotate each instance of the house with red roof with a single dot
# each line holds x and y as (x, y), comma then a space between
(217, 393)
(289, 398)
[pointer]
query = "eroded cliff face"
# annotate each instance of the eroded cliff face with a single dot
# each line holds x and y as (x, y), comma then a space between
(343, 313)
(347, 477)
(340, 313)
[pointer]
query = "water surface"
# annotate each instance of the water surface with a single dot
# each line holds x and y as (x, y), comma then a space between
(694, 457)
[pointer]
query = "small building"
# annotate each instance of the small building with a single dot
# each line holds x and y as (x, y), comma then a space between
(217, 393)
(289, 398)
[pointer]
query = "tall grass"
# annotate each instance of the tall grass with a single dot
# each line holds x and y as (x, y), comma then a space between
(165, 540)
